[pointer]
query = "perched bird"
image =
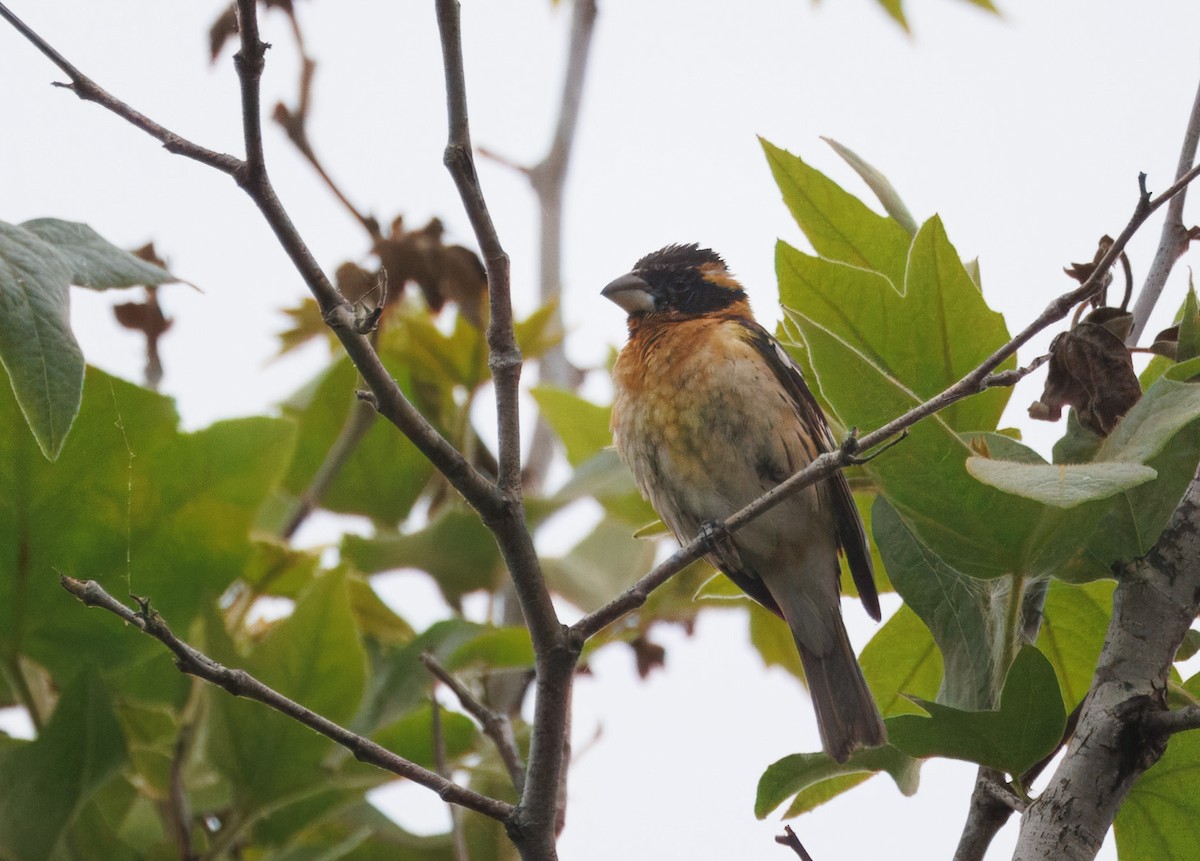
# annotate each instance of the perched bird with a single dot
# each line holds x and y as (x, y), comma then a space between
(710, 412)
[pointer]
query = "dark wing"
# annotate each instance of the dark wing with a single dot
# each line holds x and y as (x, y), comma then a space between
(851, 535)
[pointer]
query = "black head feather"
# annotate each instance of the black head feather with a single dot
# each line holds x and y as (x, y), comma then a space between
(688, 279)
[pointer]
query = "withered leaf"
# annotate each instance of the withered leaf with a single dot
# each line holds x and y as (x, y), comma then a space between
(444, 273)
(648, 654)
(1166, 343)
(1090, 370)
(225, 27)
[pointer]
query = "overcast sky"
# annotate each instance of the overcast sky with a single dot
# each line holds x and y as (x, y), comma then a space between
(1025, 133)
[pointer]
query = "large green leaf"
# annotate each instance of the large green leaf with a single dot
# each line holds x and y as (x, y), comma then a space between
(1060, 485)
(1026, 727)
(901, 660)
(839, 225)
(973, 528)
(879, 184)
(1164, 434)
(601, 566)
(135, 504)
(965, 615)
(95, 262)
(938, 298)
(37, 348)
(581, 425)
(313, 657)
(1160, 818)
(1074, 624)
(39, 260)
(46, 781)
(385, 473)
(456, 549)
(802, 771)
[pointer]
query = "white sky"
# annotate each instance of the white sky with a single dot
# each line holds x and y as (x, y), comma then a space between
(1025, 133)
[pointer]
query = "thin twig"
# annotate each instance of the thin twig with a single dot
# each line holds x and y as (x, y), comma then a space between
(504, 357)
(789, 839)
(495, 726)
(1175, 237)
(439, 763)
(548, 180)
(534, 830)
(826, 464)
(359, 421)
(337, 311)
(179, 811)
(242, 684)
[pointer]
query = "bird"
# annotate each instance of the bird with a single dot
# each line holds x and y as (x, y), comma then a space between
(709, 413)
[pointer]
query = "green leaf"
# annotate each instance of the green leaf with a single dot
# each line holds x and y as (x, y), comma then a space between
(964, 615)
(839, 225)
(494, 648)
(1165, 432)
(47, 781)
(878, 183)
(601, 566)
(313, 657)
(1060, 485)
(973, 528)
(398, 681)
(1026, 727)
(1189, 326)
(456, 549)
(1161, 815)
(412, 736)
(383, 476)
(801, 771)
(95, 262)
(581, 425)
(37, 348)
(772, 638)
(606, 479)
(136, 505)
(1074, 624)
(864, 311)
(901, 661)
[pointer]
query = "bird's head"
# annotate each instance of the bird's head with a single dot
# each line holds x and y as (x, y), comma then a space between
(679, 280)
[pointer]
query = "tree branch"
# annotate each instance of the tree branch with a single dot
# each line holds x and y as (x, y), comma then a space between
(495, 726)
(534, 828)
(1122, 723)
(439, 761)
(790, 840)
(1175, 237)
(359, 421)
(242, 684)
(548, 180)
(1171, 722)
(991, 806)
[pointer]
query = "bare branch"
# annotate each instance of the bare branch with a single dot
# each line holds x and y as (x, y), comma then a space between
(83, 86)
(1123, 719)
(495, 726)
(992, 803)
(1171, 722)
(359, 421)
(439, 761)
(504, 355)
(789, 839)
(251, 175)
(1175, 237)
(534, 830)
(242, 684)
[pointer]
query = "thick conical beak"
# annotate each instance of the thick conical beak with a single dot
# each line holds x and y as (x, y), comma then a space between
(631, 293)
